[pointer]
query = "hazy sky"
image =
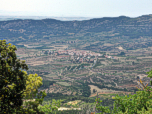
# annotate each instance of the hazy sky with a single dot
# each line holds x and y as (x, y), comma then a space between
(80, 8)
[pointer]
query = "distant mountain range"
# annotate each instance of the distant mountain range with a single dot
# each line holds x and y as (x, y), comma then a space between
(13, 15)
(49, 28)
(6, 18)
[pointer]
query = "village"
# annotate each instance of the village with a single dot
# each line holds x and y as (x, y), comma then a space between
(77, 56)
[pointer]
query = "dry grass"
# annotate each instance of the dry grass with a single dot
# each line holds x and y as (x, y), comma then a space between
(120, 48)
(74, 102)
(98, 89)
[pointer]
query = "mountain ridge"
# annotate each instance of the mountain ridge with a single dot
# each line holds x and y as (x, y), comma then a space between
(124, 26)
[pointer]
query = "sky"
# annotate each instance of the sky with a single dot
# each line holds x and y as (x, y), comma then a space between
(76, 8)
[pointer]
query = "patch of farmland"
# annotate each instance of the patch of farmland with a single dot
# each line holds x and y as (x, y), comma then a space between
(63, 83)
(98, 89)
(50, 76)
(35, 63)
(148, 57)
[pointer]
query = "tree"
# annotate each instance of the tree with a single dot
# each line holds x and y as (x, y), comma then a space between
(94, 90)
(32, 99)
(133, 63)
(50, 108)
(122, 53)
(10, 98)
(16, 85)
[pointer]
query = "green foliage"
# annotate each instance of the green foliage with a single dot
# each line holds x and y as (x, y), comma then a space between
(16, 85)
(51, 108)
(31, 107)
(47, 83)
(122, 53)
(33, 82)
(10, 75)
(86, 91)
(139, 103)
(100, 107)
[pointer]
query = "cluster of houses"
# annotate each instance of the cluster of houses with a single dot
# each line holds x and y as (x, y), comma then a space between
(76, 55)
(79, 56)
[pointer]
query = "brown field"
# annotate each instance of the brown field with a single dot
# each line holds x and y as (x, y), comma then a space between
(98, 89)
(115, 92)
